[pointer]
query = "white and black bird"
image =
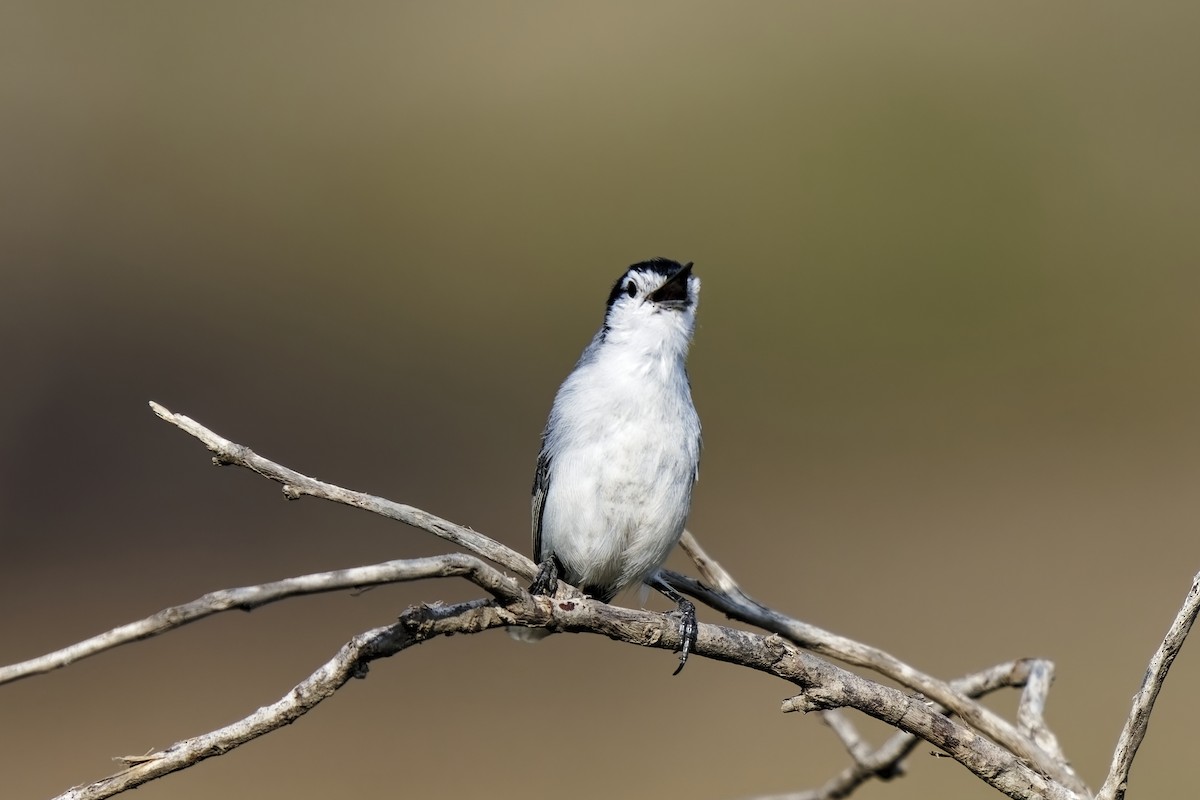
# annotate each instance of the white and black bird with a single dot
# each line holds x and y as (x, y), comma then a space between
(621, 450)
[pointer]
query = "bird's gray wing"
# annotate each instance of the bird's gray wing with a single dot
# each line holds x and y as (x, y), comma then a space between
(541, 485)
(699, 430)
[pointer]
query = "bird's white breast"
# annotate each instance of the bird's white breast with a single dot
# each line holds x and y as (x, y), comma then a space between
(624, 454)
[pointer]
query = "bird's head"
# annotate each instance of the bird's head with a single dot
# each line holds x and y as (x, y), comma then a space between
(654, 299)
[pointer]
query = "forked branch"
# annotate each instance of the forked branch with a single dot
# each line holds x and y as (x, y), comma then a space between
(1022, 760)
(821, 684)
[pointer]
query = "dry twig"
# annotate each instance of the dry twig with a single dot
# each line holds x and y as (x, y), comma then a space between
(1143, 702)
(244, 598)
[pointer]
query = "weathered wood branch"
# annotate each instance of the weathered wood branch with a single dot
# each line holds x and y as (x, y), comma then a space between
(721, 591)
(821, 684)
(244, 598)
(1143, 702)
(296, 485)
(1022, 760)
(726, 595)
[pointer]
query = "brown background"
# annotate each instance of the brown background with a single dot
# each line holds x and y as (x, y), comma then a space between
(946, 364)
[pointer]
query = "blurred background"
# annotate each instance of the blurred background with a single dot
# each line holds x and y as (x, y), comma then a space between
(946, 363)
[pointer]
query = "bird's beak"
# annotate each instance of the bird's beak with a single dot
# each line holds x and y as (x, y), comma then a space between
(674, 292)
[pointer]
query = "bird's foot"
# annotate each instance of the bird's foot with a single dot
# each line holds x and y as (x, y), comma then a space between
(689, 628)
(546, 581)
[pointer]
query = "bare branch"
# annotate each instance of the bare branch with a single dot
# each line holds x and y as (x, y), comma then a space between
(887, 761)
(247, 598)
(921, 717)
(731, 599)
(822, 684)
(1143, 702)
(350, 662)
(1031, 711)
(416, 625)
(846, 732)
(321, 684)
(296, 485)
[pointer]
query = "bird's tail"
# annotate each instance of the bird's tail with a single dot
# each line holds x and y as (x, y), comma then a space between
(527, 634)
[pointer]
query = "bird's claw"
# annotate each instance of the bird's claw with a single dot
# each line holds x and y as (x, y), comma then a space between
(546, 581)
(689, 629)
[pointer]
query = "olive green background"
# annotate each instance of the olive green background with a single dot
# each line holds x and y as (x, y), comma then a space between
(946, 364)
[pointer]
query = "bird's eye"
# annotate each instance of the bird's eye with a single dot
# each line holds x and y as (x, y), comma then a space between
(631, 290)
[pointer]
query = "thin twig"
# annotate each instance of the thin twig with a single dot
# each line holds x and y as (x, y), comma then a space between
(350, 662)
(1031, 711)
(296, 485)
(846, 732)
(1143, 702)
(246, 598)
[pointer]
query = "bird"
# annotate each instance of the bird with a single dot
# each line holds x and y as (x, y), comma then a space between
(620, 452)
